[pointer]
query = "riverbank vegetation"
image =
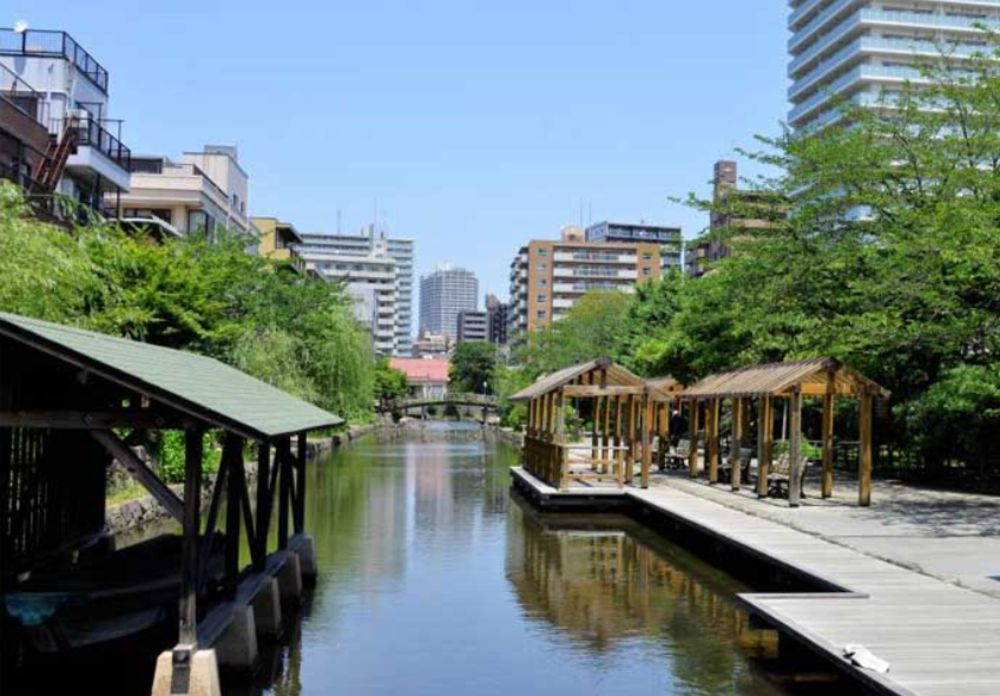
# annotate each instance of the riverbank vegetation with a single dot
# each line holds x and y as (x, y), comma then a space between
(204, 295)
(888, 259)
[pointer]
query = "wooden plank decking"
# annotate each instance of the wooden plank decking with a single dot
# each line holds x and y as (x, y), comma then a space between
(940, 639)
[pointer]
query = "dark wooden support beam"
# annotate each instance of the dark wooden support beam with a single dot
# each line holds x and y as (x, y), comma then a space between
(193, 455)
(221, 482)
(232, 447)
(141, 419)
(300, 489)
(865, 413)
(240, 481)
(135, 466)
(263, 502)
(285, 492)
(693, 457)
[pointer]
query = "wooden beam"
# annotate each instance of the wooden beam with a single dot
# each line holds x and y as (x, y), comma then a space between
(143, 474)
(765, 444)
(648, 423)
(560, 440)
(606, 432)
(580, 391)
(233, 445)
(285, 490)
(865, 463)
(795, 448)
(693, 457)
(827, 437)
(94, 420)
(712, 437)
(663, 411)
(193, 457)
(735, 454)
(595, 423)
(300, 489)
(263, 502)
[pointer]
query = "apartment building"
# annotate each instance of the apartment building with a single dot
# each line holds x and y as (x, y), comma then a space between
(864, 50)
(735, 209)
(206, 190)
(670, 239)
(473, 326)
(24, 138)
(279, 241)
(498, 318)
(444, 294)
(377, 272)
(547, 277)
(58, 84)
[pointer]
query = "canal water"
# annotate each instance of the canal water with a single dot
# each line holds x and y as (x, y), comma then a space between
(435, 579)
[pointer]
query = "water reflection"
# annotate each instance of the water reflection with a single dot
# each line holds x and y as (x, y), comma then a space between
(434, 580)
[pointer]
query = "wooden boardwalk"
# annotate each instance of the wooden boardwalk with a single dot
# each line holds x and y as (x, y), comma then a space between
(940, 639)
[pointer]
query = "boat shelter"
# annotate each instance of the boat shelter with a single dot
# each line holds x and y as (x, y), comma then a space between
(624, 412)
(74, 401)
(823, 378)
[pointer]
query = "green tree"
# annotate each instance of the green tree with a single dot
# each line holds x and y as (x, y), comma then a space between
(473, 368)
(390, 383)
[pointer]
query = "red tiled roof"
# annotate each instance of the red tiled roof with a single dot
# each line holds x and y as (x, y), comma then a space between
(418, 370)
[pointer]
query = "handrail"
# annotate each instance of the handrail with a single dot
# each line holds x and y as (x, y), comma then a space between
(57, 44)
(90, 132)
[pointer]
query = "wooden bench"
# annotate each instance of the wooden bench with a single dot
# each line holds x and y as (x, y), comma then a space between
(779, 477)
(726, 467)
(679, 457)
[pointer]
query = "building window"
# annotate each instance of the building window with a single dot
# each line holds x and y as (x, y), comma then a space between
(543, 282)
(200, 221)
(647, 257)
(542, 314)
(543, 252)
(542, 298)
(647, 271)
(542, 267)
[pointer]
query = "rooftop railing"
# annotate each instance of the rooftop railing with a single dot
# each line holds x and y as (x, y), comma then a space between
(53, 44)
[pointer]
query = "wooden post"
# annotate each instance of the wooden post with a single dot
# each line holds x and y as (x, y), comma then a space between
(233, 512)
(285, 489)
(193, 450)
(595, 425)
(632, 442)
(300, 486)
(827, 436)
(735, 456)
(693, 458)
(712, 436)
(765, 444)
(606, 454)
(865, 465)
(561, 453)
(795, 448)
(619, 453)
(647, 427)
(263, 501)
(664, 436)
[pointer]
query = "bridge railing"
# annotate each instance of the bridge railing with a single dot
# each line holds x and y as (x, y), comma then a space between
(449, 399)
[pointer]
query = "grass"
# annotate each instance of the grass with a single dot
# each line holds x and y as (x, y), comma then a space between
(130, 492)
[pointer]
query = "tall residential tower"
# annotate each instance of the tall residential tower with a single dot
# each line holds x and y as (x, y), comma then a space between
(444, 294)
(864, 50)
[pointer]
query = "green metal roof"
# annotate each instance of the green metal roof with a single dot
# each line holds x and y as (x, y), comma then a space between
(203, 387)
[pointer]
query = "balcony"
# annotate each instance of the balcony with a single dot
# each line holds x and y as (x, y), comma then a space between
(23, 96)
(53, 44)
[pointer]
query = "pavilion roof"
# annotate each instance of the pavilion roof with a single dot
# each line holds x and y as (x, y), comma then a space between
(812, 377)
(616, 376)
(202, 387)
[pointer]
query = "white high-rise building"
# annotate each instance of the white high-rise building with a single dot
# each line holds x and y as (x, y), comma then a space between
(864, 50)
(444, 294)
(378, 273)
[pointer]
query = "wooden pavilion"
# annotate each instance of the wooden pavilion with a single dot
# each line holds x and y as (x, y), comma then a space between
(624, 409)
(66, 395)
(823, 378)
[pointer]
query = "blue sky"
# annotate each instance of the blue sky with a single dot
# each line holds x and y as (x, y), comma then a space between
(475, 125)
